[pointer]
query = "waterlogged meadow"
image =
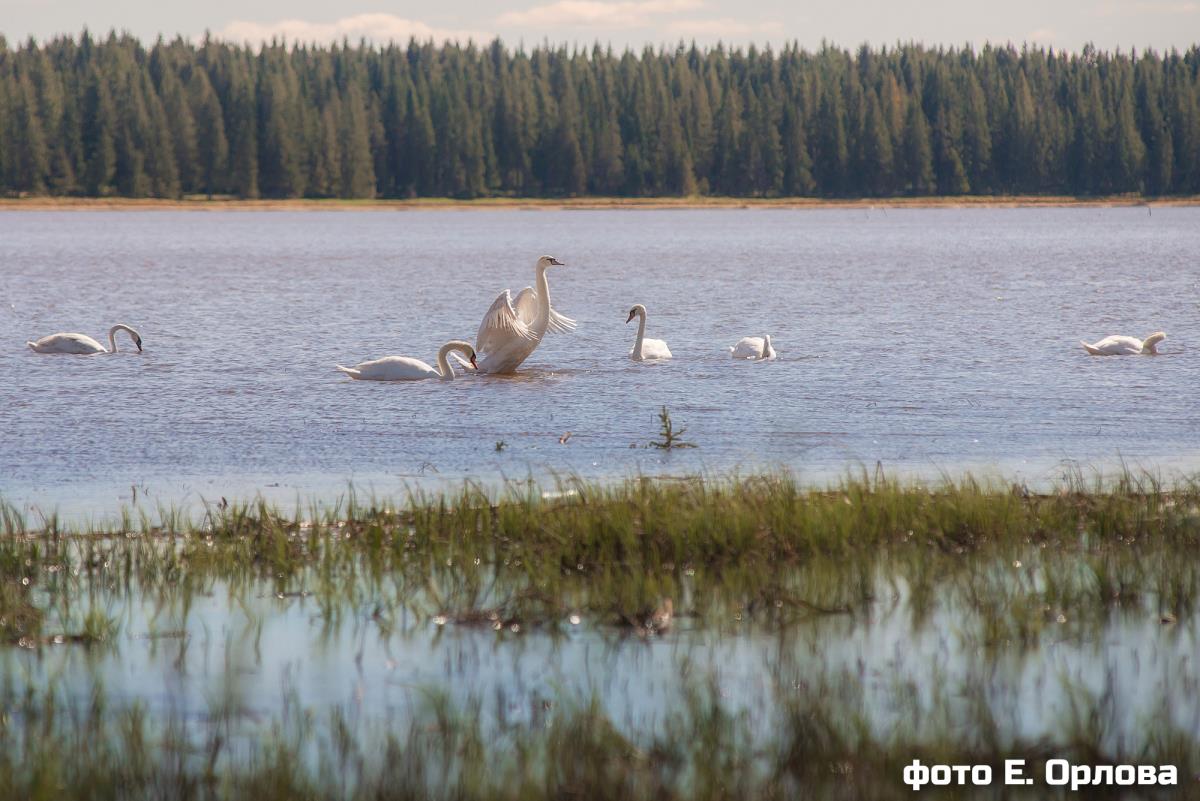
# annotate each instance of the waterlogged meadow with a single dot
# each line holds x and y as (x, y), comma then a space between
(693, 638)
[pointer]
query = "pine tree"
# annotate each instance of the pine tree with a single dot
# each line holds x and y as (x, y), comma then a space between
(833, 151)
(948, 164)
(417, 176)
(797, 173)
(162, 172)
(877, 151)
(326, 171)
(182, 126)
(1185, 131)
(1023, 166)
(27, 160)
(99, 149)
(212, 148)
(358, 166)
(278, 150)
(976, 135)
(243, 138)
(918, 153)
(1129, 151)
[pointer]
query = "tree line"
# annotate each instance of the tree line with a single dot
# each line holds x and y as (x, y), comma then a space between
(85, 116)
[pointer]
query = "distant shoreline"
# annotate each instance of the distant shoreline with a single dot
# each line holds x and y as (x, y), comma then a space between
(582, 203)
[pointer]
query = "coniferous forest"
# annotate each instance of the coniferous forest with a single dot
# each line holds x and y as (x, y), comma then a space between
(110, 117)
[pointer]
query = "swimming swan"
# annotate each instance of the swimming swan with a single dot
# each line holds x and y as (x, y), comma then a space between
(510, 332)
(753, 348)
(405, 368)
(645, 349)
(82, 344)
(1126, 346)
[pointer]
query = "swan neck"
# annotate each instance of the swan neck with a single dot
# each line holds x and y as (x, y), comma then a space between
(112, 338)
(641, 335)
(543, 290)
(443, 362)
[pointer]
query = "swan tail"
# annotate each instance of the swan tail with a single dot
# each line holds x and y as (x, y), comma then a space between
(32, 345)
(350, 371)
(1089, 348)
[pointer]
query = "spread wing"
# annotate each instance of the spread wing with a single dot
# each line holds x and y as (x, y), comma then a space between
(526, 305)
(501, 324)
(560, 322)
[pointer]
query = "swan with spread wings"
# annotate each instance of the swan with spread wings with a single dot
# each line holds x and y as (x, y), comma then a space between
(512, 330)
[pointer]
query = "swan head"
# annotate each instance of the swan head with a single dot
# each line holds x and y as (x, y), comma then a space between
(137, 340)
(1149, 343)
(468, 351)
(634, 312)
(549, 261)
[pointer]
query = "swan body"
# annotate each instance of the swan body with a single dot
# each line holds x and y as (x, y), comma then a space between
(512, 330)
(757, 348)
(645, 349)
(405, 368)
(82, 344)
(1126, 346)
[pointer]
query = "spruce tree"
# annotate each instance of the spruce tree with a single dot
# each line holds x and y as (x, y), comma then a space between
(99, 149)
(212, 148)
(918, 153)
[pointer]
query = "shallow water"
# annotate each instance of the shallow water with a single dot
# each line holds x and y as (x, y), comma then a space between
(248, 650)
(926, 340)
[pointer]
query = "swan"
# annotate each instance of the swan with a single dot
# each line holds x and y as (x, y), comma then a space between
(644, 349)
(405, 368)
(753, 348)
(510, 330)
(1126, 346)
(82, 344)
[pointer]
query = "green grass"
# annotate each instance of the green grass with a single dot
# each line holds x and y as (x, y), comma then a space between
(762, 547)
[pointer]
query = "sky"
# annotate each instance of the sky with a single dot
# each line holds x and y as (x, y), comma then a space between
(1062, 24)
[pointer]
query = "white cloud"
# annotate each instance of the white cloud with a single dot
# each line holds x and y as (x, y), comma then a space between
(722, 28)
(379, 28)
(596, 14)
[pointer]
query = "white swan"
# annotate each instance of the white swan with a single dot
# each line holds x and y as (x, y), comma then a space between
(405, 368)
(82, 344)
(510, 332)
(1126, 346)
(753, 348)
(645, 349)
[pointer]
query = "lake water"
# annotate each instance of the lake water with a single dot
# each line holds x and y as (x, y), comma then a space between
(927, 340)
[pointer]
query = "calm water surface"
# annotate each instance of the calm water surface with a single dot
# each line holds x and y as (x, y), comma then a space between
(928, 340)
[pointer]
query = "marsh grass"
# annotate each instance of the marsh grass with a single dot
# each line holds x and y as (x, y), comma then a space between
(1015, 570)
(760, 547)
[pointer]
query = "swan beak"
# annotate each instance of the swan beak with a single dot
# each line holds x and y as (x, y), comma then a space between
(557, 262)
(139, 344)
(629, 319)
(473, 364)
